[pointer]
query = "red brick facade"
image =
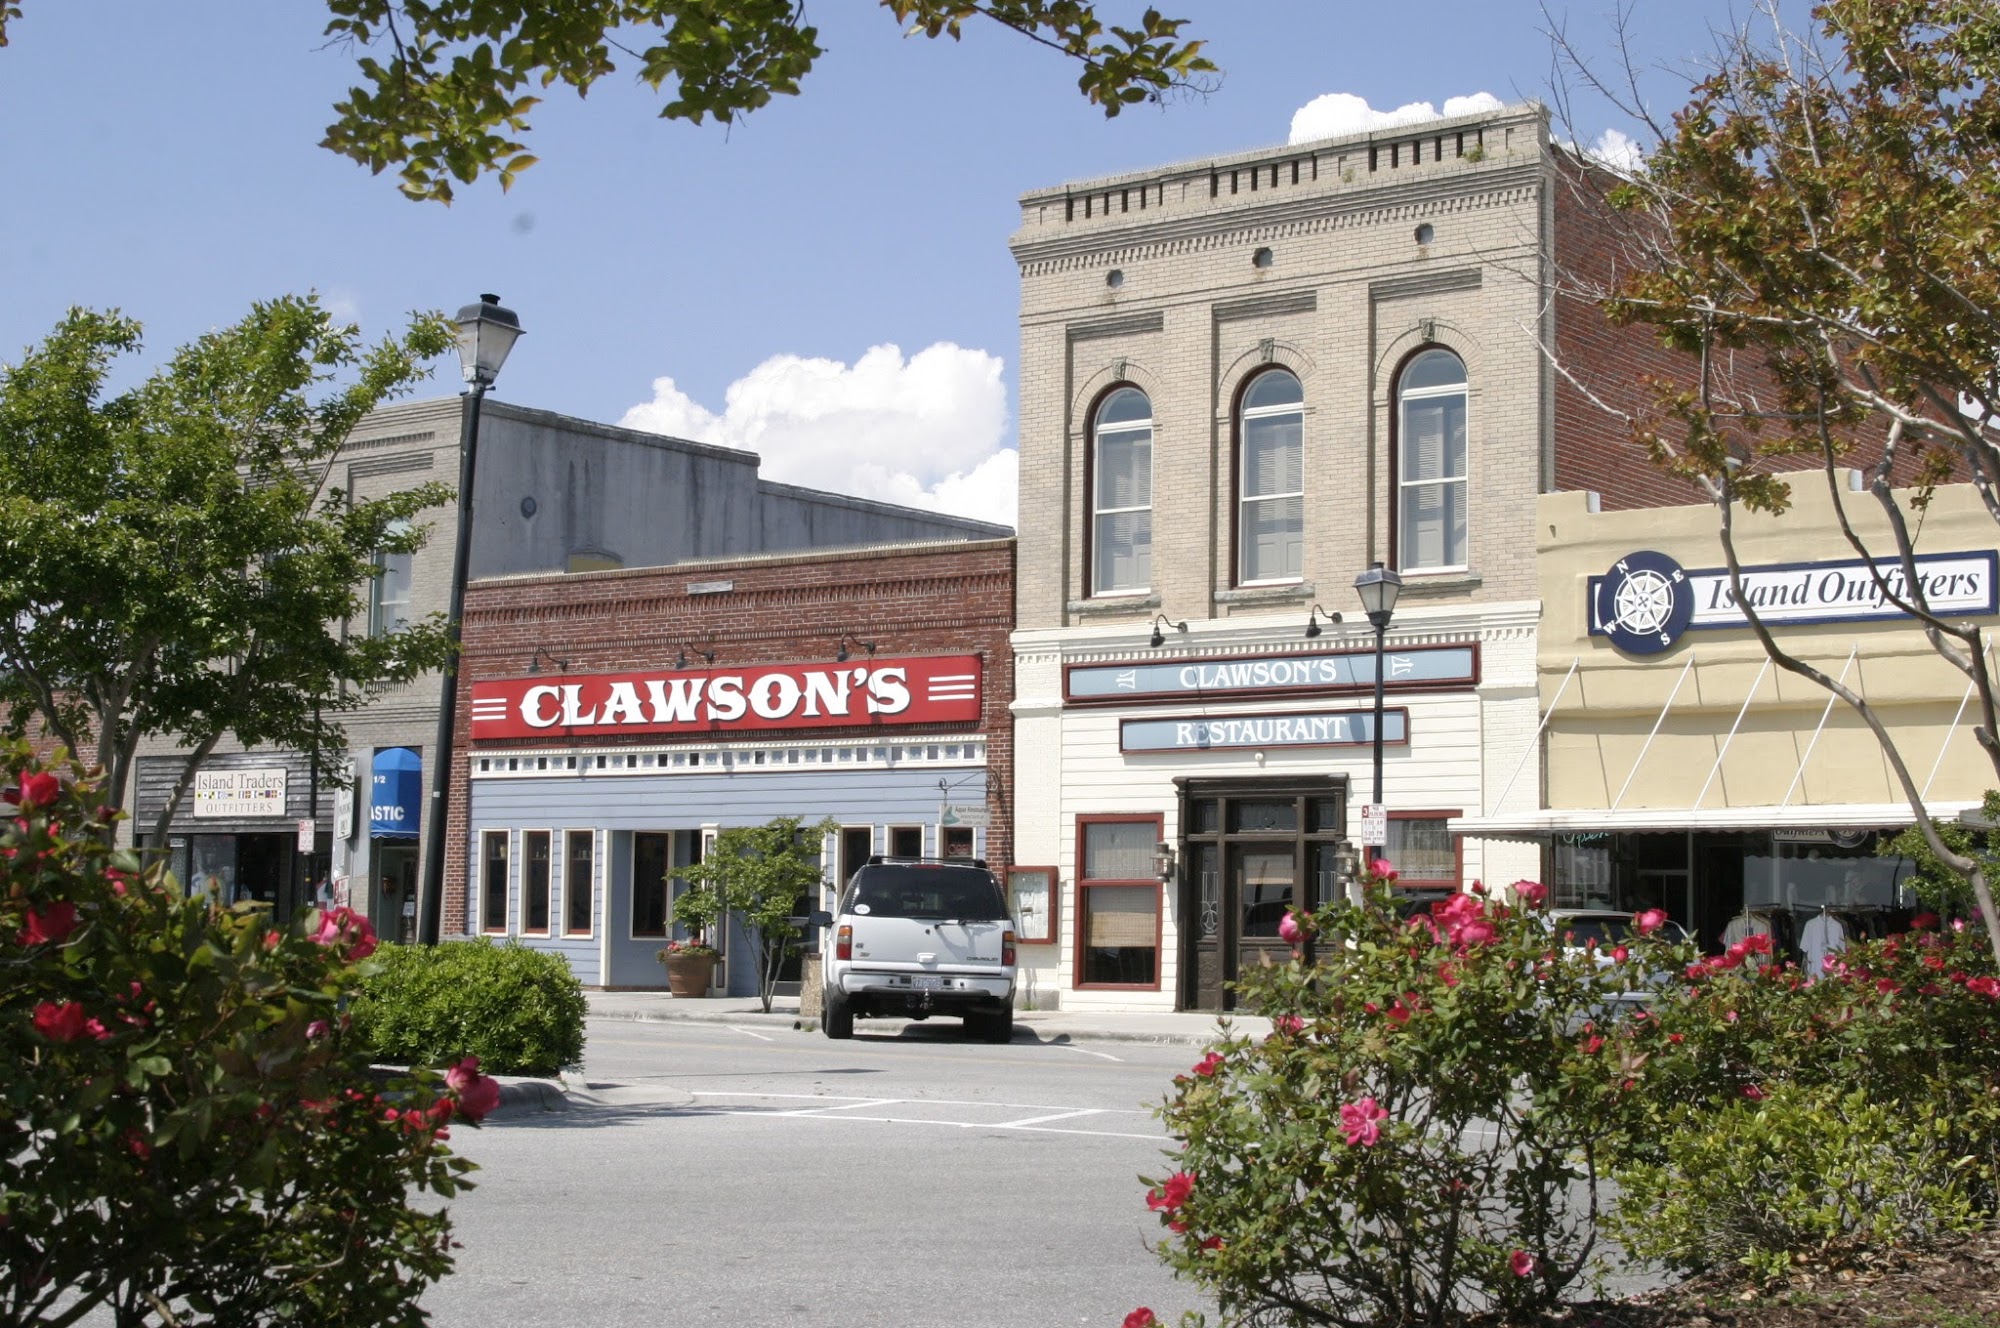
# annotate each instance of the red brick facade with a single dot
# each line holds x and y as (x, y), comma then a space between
(911, 600)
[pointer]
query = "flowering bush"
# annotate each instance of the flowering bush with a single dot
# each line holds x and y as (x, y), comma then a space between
(1423, 1133)
(689, 949)
(191, 1133)
(1817, 1118)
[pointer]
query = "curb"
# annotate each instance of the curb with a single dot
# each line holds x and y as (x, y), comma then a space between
(525, 1096)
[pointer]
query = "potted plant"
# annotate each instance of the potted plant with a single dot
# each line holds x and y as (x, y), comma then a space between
(690, 963)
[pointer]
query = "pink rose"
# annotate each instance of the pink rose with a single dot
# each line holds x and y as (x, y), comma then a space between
(1620, 953)
(66, 1022)
(1382, 869)
(1754, 1093)
(1359, 1122)
(1987, 987)
(39, 789)
(1290, 931)
(1532, 893)
(1924, 922)
(1209, 1064)
(316, 1030)
(1477, 932)
(1141, 1318)
(1289, 1023)
(477, 1094)
(1173, 1192)
(343, 926)
(49, 925)
(1649, 921)
(1523, 1263)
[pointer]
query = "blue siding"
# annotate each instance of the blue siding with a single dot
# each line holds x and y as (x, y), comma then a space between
(618, 805)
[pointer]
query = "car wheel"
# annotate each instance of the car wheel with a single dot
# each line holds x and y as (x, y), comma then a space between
(993, 1027)
(836, 1017)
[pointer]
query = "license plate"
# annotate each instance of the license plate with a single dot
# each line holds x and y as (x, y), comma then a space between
(927, 982)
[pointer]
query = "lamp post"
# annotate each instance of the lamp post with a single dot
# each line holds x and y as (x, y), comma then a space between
(486, 332)
(1378, 588)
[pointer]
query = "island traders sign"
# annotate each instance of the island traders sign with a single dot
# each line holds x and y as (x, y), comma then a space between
(930, 689)
(1646, 600)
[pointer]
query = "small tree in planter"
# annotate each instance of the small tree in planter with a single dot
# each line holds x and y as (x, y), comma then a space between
(759, 871)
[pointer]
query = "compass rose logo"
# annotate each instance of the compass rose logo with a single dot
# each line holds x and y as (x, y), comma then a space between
(1643, 603)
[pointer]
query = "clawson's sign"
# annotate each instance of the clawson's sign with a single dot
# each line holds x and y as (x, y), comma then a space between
(929, 689)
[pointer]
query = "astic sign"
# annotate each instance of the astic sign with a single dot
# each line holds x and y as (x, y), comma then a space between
(1646, 601)
(1328, 728)
(306, 835)
(972, 814)
(396, 794)
(926, 689)
(1374, 824)
(236, 793)
(1419, 666)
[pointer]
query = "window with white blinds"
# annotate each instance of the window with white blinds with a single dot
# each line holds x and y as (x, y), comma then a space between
(1422, 850)
(1121, 533)
(1118, 904)
(1431, 525)
(1272, 524)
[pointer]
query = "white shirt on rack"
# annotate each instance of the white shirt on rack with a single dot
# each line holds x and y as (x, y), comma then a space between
(1824, 935)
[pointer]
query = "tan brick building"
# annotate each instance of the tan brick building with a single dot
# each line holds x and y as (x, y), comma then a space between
(1243, 380)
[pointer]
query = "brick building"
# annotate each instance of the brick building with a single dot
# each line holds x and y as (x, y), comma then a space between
(1243, 381)
(615, 721)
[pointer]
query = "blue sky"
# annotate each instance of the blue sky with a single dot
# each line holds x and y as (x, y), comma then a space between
(160, 157)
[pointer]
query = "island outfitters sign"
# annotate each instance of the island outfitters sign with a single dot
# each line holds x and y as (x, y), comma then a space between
(929, 689)
(1647, 600)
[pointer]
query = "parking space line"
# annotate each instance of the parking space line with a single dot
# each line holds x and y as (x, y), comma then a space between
(822, 1111)
(749, 1033)
(1103, 1055)
(1060, 1115)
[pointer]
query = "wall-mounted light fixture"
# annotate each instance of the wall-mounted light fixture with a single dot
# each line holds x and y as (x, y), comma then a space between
(1159, 637)
(681, 659)
(541, 654)
(1313, 628)
(841, 656)
(1163, 860)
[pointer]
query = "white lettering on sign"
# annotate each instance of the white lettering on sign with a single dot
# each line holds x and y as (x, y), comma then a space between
(1327, 729)
(914, 690)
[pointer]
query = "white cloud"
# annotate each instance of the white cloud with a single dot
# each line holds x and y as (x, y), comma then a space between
(924, 431)
(1619, 151)
(1339, 113)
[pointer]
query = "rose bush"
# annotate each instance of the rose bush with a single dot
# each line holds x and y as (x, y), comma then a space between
(192, 1134)
(1423, 1134)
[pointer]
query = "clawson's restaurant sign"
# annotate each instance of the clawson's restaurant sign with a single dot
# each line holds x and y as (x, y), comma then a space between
(929, 689)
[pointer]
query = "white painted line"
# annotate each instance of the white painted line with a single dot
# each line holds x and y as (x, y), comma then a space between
(927, 1101)
(1060, 1115)
(748, 1033)
(1071, 1046)
(957, 1125)
(822, 1111)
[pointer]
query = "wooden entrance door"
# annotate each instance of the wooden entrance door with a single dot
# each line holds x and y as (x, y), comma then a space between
(1253, 850)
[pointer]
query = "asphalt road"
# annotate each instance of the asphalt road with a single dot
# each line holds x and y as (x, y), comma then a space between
(756, 1176)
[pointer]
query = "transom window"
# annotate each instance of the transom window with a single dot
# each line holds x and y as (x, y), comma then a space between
(1431, 480)
(1272, 525)
(1121, 532)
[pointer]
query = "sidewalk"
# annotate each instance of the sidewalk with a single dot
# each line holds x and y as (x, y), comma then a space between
(1191, 1030)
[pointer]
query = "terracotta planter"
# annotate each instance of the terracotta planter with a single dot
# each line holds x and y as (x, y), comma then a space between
(689, 975)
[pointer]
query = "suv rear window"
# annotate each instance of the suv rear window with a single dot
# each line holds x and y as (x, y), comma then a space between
(927, 892)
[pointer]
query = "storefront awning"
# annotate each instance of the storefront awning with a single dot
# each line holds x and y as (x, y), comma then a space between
(1640, 820)
(396, 792)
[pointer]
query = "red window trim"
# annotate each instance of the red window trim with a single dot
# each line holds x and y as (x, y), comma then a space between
(1457, 847)
(1082, 915)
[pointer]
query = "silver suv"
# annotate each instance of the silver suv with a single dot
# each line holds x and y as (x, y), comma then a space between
(917, 937)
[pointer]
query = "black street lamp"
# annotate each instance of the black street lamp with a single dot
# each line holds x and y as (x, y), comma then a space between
(1378, 588)
(486, 332)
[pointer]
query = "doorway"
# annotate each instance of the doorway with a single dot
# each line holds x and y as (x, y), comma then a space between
(396, 888)
(1254, 850)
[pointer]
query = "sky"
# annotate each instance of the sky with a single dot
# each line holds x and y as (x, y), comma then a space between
(826, 283)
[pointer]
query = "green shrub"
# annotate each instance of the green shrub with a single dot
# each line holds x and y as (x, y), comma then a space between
(520, 1011)
(1803, 1173)
(1423, 1134)
(188, 1131)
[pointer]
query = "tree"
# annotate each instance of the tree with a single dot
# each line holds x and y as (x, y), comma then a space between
(1816, 229)
(762, 872)
(191, 1133)
(174, 560)
(451, 89)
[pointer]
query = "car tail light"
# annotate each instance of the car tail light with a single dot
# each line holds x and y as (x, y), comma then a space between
(1007, 948)
(843, 943)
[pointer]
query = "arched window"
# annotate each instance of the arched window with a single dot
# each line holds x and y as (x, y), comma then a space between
(1121, 524)
(1271, 525)
(1431, 466)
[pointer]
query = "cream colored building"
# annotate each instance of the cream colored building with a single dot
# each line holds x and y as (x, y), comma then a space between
(1683, 768)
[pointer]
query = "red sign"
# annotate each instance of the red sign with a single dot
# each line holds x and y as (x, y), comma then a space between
(929, 689)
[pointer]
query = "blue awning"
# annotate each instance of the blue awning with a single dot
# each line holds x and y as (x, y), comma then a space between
(396, 799)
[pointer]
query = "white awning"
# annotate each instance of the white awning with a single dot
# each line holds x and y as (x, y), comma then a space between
(1641, 820)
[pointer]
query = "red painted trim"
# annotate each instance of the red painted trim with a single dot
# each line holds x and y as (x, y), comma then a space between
(1082, 914)
(1051, 875)
(1457, 845)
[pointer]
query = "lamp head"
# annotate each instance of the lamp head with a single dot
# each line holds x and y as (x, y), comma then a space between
(1378, 587)
(1313, 628)
(486, 332)
(1159, 637)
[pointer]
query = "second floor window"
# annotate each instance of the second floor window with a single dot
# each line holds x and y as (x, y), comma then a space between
(389, 597)
(1271, 530)
(1121, 531)
(1431, 476)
